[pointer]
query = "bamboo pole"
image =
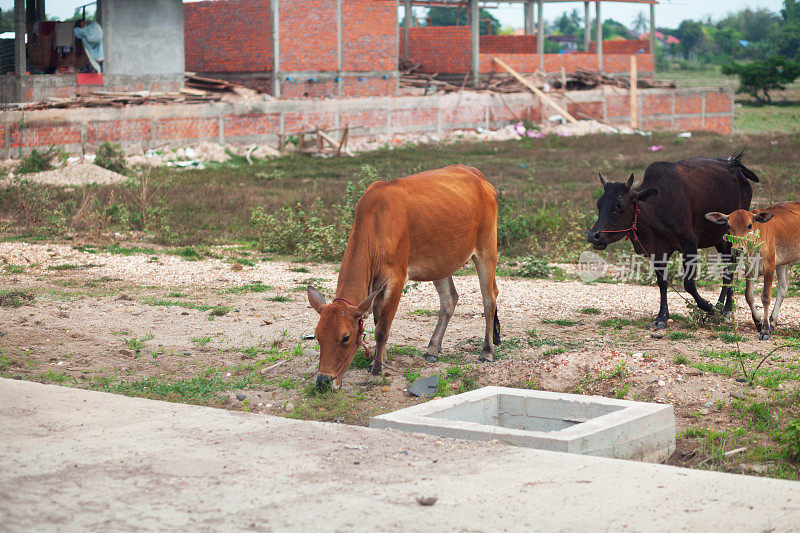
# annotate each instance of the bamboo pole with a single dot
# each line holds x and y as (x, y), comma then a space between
(535, 90)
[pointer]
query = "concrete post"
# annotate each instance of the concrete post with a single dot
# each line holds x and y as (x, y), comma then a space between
(653, 35)
(540, 35)
(474, 26)
(406, 26)
(528, 18)
(20, 64)
(587, 29)
(275, 27)
(599, 38)
(339, 62)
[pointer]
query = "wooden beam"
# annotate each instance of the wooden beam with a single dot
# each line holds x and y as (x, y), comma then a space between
(653, 35)
(406, 25)
(634, 93)
(535, 90)
(587, 29)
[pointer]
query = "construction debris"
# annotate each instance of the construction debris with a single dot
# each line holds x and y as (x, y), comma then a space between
(78, 174)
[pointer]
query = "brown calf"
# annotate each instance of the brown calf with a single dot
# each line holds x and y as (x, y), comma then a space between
(779, 235)
(423, 228)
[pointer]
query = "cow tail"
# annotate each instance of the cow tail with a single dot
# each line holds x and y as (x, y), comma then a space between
(735, 164)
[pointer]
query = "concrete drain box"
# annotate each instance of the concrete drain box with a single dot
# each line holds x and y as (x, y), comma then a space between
(571, 423)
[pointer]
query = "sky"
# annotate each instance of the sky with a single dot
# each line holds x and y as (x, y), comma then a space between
(668, 14)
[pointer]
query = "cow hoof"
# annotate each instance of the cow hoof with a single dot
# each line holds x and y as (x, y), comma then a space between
(431, 358)
(376, 369)
(659, 324)
(486, 358)
(764, 336)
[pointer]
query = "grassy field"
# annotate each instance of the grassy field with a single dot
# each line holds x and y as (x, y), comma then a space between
(783, 115)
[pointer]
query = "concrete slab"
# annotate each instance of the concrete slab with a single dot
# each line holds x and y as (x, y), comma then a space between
(74, 460)
(573, 423)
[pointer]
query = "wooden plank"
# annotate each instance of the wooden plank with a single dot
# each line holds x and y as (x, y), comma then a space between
(535, 90)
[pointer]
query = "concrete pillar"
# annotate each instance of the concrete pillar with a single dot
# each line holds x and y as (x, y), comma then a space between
(275, 27)
(339, 60)
(587, 29)
(653, 35)
(540, 35)
(528, 18)
(20, 63)
(474, 28)
(406, 25)
(599, 38)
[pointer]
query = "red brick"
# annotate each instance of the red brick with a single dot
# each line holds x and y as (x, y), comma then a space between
(657, 104)
(253, 124)
(689, 123)
(295, 122)
(187, 128)
(719, 102)
(35, 134)
(117, 131)
(719, 124)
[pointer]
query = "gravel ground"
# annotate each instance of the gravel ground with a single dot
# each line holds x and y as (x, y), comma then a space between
(74, 175)
(74, 327)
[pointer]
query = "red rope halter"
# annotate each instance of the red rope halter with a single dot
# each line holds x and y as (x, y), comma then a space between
(632, 229)
(360, 341)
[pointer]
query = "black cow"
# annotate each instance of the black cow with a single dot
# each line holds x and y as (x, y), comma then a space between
(666, 214)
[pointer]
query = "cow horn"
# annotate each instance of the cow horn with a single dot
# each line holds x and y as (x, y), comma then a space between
(603, 179)
(629, 183)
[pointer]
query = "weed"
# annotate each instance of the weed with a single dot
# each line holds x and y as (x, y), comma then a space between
(534, 267)
(278, 298)
(39, 161)
(253, 286)
(65, 266)
(590, 311)
(137, 343)
(561, 322)
(15, 298)
(422, 312)
(302, 270)
(219, 310)
(679, 335)
(411, 375)
(681, 359)
(622, 390)
(287, 383)
(200, 341)
(361, 359)
(13, 269)
(189, 254)
(408, 351)
(790, 437)
(111, 156)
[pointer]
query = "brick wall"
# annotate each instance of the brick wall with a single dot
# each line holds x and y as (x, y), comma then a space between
(157, 125)
(508, 44)
(231, 39)
(570, 62)
(227, 36)
(629, 46)
(440, 49)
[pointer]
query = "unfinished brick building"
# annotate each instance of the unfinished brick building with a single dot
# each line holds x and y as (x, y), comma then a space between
(296, 49)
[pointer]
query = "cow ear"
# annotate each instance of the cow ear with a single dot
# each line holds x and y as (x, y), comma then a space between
(364, 307)
(641, 196)
(629, 183)
(717, 218)
(315, 298)
(763, 216)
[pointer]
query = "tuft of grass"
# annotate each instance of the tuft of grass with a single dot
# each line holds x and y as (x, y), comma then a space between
(200, 341)
(679, 335)
(590, 311)
(560, 322)
(65, 266)
(278, 298)
(681, 359)
(15, 298)
(302, 270)
(137, 343)
(287, 383)
(219, 310)
(13, 269)
(253, 286)
(422, 312)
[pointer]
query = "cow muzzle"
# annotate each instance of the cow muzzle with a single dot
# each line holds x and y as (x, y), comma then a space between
(595, 238)
(326, 382)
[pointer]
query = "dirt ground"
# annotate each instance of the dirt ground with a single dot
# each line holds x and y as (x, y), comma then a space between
(207, 330)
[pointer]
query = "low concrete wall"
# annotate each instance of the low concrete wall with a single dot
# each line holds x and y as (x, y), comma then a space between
(80, 130)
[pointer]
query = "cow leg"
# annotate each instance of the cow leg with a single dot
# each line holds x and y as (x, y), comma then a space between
(751, 301)
(690, 273)
(391, 299)
(725, 302)
(486, 272)
(448, 297)
(766, 296)
(660, 268)
(783, 287)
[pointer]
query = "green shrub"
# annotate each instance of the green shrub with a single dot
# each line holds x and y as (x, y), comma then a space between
(313, 233)
(111, 156)
(39, 161)
(760, 77)
(791, 439)
(535, 267)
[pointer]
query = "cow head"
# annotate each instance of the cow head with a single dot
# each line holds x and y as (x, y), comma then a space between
(615, 210)
(337, 333)
(740, 223)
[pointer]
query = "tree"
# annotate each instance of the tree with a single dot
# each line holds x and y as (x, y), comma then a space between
(787, 40)
(612, 28)
(446, 16)
(760, 77)
(571, 24)
(640, 23)
(691, 35)
(791, 11)
(6, 20)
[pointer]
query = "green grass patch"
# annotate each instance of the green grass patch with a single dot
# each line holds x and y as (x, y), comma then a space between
(590, 311)
(253, 286)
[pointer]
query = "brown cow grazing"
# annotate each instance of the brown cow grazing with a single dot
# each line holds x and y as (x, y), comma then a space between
(779, 234)
(423, 228)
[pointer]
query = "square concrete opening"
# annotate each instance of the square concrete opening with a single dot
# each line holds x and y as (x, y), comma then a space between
(571, 423)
